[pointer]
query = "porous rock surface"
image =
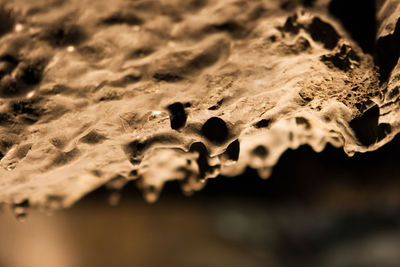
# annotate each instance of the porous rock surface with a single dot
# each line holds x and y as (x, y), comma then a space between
(94, 93)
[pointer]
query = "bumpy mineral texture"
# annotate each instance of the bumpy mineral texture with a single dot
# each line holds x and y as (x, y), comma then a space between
(99, 93)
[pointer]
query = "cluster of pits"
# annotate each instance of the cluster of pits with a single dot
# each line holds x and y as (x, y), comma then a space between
(153, 91)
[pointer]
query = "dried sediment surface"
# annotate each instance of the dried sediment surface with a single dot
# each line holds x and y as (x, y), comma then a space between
(152, 91)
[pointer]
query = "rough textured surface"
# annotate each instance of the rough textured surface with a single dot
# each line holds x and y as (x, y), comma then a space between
(93, 94)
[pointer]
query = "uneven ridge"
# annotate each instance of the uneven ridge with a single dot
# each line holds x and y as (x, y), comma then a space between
(153, 91)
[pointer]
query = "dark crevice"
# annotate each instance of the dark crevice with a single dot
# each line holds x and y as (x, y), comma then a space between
(388, 53)
(7, 20)
(167, 77)
(205, 59)
(29, 111)
(345, 60)
(7, 64)
(308, 3)
(364, 105)
(93, 137)
(133, 173)
(215, 130)
(394, 92)
(217, 106)
(64, 158)
(6, 119)
(23, 204)
(141, 52)
(177, 115)
(324, 33)
(232, 27)
(197, 4)
(233, 150)
(27, 74)
(367, 129)
(291, 25)
(292, 4)
(303, 121)
(358, 18)
(122, 18)
(202, 160)
(383, 130)
(136, 148)
(25, 107)
(5, 145)
(63, 33)
(260, 151)
(31, 72)
(264, 123)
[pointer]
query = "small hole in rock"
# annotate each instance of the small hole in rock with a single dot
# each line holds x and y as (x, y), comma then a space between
(260, 151)
(167, 77)
(303, 121)
(323, 32)
(262, 123)
(215, 130)
(233, 150)
(133, 173)
(367, 129)
(178, 115)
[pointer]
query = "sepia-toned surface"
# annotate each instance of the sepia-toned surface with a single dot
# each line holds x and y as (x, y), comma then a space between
(94, 93)
(343, 212)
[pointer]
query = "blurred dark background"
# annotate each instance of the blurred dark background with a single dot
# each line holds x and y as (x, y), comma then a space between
(317, 209)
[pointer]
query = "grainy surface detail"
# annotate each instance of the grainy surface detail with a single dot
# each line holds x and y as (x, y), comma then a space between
(94, 93)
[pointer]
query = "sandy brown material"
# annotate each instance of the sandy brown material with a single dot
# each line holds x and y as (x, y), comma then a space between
(95, 93)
